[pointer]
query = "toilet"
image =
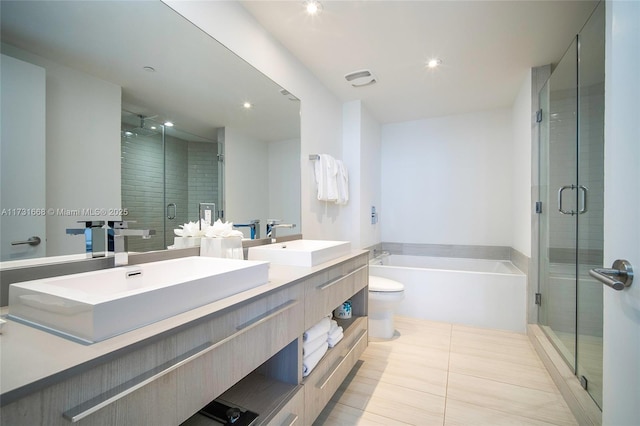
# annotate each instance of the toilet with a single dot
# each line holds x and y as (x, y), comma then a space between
(384, 297)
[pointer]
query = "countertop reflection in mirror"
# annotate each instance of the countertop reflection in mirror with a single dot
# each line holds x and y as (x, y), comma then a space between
(141, 57)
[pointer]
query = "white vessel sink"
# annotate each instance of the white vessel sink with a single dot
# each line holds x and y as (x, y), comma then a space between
(94, 306)
(300, 252)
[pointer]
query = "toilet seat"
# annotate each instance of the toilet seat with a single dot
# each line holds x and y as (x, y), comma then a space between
(384, 285)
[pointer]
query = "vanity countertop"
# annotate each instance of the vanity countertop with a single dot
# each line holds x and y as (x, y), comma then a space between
(31, 359)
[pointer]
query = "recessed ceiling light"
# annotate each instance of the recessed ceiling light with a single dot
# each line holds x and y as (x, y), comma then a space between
(313, 7)
(434, 63)
(247, 105)
(153, 127)
(168, 124)
(148, 68)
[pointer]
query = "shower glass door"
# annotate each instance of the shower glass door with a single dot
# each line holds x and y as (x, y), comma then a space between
(590, 222)
(559, 195)
(166, 173)
(572, 193)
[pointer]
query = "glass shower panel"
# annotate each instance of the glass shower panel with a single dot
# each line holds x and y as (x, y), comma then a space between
(559, 196)
(591, 184)
(166, 173)
(142, 168)
(191, 178)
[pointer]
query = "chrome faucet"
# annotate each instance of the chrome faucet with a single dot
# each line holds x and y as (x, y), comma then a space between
(117, 233)
(95, 237)
(253, 225)
(272, 224)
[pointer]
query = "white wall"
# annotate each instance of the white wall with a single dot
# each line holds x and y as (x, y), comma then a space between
(321, 111)
(83, 122)
(447, 180)
(370, 178)
(284, 183)
(621, 365)
(522, 123)
(361, 135)
(246, 179)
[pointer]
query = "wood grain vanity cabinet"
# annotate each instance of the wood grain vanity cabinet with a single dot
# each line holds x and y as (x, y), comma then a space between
(325, 292)
(249, 354)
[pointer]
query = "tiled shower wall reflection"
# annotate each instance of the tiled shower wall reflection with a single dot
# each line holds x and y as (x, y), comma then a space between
(191, 178)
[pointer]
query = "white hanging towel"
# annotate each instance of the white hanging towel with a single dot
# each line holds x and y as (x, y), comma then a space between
(326, 172)
(342, 180)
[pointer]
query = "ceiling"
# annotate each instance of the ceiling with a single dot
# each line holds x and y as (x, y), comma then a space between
(115, 40)
(486, 48)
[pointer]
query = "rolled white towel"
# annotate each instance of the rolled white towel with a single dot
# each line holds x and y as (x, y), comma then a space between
(317, 330)
(334, 326)
(313, 345)
(332, 341)
(310, 361)
(335, 333)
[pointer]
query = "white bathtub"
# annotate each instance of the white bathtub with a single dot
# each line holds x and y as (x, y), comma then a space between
(474, 292)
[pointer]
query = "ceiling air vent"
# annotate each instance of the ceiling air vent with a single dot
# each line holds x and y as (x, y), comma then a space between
(285, 92)
(360, 78)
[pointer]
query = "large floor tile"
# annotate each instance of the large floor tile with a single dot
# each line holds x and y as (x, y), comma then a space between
(460, 413)
(415, 356)
(517, 354)
(385, 399)
(434, 373)
(423, 379)
(535, 377)
(336, 414)
(511, 399)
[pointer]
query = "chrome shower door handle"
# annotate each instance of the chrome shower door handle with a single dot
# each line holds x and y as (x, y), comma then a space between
(583, 204)
(618, 277)
(173, 206)
(560, 191)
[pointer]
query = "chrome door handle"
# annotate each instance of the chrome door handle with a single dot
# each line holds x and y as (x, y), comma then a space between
(33, 241)
(560, 191)
(175, 211)
(583, 206)
(618, 277)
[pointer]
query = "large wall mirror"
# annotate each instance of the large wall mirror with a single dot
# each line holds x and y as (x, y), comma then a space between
(87, 90)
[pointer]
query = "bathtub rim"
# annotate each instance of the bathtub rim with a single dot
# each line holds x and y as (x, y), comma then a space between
(515, 270)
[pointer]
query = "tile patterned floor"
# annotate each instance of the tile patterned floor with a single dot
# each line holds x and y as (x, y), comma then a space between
(444, 374)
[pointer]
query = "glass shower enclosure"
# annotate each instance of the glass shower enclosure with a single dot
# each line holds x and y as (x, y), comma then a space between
(166, 172)
(571, 184)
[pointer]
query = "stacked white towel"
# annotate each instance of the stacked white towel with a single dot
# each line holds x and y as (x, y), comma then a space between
(315, 344)
(310, 361)
(336, 333)
(326, 171)
(312, 345)
(322, 327)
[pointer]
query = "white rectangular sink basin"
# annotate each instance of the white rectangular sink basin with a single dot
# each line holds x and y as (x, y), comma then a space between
(95, 306)
(300, 252)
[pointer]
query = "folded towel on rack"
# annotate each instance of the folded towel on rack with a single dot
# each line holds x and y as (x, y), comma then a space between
(326, 171)
(322, 327)
(332, 341)
(313, 345)
(310, 361)
(342, 182)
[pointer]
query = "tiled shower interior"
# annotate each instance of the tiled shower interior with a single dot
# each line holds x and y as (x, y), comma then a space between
(163, 181)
